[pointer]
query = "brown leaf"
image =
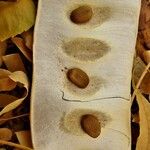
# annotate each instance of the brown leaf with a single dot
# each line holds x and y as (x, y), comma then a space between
(28, 38)
(10, 0)
(3, 149)
(4, 73)
(24, 138)
(145, 85)
(6, 84)
(144, 15)
(19, 42)
(14, 62)
(21, 147)
(20, 77)
(6, 99)
(142, 20)
(135, 118)
(146, 56)
(143, 142)
(5, 116)
(146, 35)
(140, 48)
(5, 134)
(138, 69)
(3, 47)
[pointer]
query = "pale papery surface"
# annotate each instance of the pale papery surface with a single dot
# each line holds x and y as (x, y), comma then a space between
(18, 121)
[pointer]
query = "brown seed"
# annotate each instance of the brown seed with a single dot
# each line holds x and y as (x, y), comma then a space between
(81, 15)
(91, 125)
(78, 77)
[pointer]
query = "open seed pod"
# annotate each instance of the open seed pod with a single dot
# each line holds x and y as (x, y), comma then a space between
(82, 74)
(16, 17)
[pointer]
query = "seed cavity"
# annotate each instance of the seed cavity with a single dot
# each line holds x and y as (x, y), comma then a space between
(85, 49)
(71, 122)
(89, 16)
(95, 84)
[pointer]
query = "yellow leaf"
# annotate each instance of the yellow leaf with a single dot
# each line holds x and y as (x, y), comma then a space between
(16, 17)
(24, 138)
(143, 142)
(20, 77)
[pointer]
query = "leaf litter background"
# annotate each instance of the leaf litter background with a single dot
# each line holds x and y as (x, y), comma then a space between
(16, 79)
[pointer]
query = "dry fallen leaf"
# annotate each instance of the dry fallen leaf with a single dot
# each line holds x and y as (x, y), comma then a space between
(143, 142)
(20, 77)
(5, 134)
(146, 35)
(3, 149)
(20, 147)
(6, 99)
(28, 38)
(16, 17)
(5, 116)
(139, 48)
(145, 85)
(144, 15)
(19, 42)
(24, 138)
(138, 69)
(3, 47)
(135, 118)
(6, 84)
(146, 56)
(4, 73)
(14, 62)
(14, 84)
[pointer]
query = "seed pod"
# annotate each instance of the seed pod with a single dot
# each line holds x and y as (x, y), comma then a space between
(81, 15)
(91, 125)
(78, 77)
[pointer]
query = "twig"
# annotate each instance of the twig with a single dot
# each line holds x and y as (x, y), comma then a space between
(15, 117)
